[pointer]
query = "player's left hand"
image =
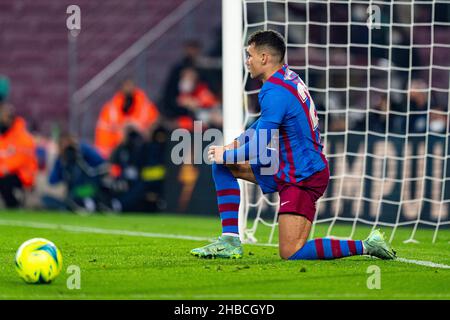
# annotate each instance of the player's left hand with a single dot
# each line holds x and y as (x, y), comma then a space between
(215, 154)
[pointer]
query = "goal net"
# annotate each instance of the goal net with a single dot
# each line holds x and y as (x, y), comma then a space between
(378, 72)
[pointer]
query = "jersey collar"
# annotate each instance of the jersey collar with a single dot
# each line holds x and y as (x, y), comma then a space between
(284, 72)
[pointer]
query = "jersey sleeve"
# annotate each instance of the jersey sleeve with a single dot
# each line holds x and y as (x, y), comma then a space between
(255, 147)
(273, 109)
(247, 134)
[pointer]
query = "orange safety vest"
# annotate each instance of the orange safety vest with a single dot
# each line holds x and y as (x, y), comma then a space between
(109, 131)
(18, 153)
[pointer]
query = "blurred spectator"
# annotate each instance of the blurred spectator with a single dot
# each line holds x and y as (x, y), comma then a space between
(195, 101)
(153, 170)
(359, 33)
(80, 167)
(192, 51)
(128, 106)
(419, 106)
(205, 70)
(137, 171)
(4, 89)
(438, 120)
(404, 55)
(18, 163)
(336, 119)
(377, 118)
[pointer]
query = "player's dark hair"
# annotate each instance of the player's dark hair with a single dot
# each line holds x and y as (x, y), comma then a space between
(271, 39)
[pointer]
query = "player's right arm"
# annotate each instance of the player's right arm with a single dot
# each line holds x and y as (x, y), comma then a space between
(273, 109)
(239, 141)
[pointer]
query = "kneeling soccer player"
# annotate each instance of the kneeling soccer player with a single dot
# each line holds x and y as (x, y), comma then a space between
(302, 175)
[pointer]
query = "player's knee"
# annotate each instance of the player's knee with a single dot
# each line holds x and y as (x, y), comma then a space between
(288, 250)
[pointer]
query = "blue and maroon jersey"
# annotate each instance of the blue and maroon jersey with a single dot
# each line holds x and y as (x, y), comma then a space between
(287, 106)
(285, 101)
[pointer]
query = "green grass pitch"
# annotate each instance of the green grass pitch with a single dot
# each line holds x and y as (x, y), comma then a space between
(138, 257)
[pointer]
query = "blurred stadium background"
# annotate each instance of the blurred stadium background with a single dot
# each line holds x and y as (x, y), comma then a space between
(60, 81)
(388, 147)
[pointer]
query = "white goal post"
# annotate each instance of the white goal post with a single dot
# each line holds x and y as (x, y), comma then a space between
(379, 73)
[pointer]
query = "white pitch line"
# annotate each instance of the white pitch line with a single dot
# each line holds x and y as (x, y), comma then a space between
(71, 228)
(424, 263)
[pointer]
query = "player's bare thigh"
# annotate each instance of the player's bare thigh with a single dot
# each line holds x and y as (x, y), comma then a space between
(293, 228)
(242, 171)
(293, 233)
